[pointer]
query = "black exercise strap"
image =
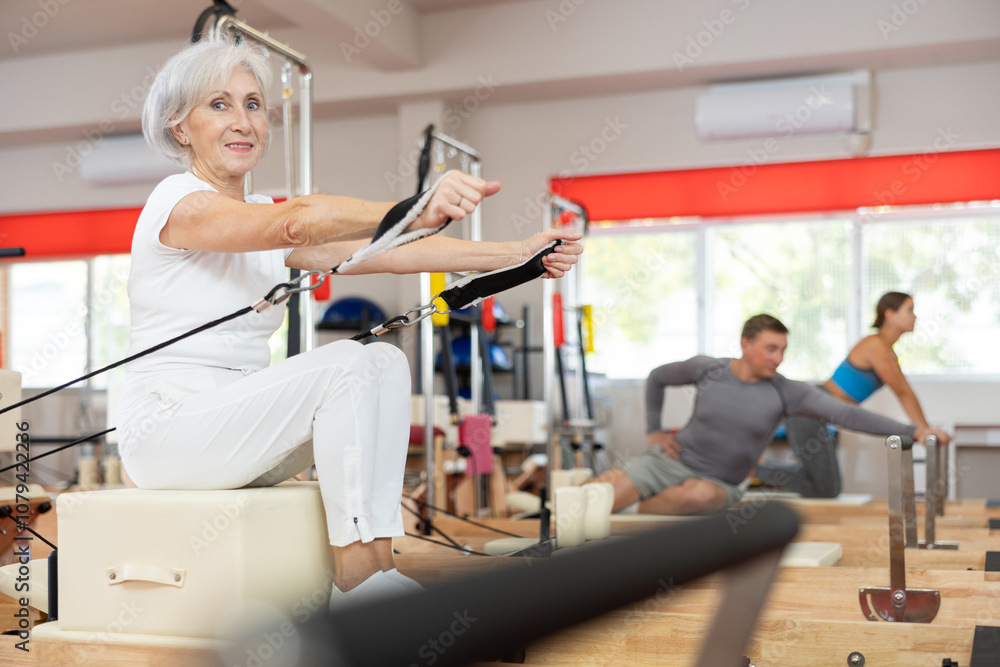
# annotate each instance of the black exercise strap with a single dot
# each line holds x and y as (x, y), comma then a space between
(424, 163)
(204, 327)
(390, 234)
(218, 9)
(474, 288)
(470, 290)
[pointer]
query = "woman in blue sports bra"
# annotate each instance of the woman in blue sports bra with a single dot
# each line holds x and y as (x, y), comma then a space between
(869, 365)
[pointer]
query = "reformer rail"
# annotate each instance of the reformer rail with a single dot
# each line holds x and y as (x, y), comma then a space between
(897, 603)
(487, 616)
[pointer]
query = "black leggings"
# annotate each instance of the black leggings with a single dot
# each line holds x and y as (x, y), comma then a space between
(817, 473)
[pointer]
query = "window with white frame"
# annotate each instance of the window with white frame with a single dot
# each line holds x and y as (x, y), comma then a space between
(68, 318)
(795, 270)
(48, 332)
(820, 275)
(949, 261)
(108, 322)
(641, 286)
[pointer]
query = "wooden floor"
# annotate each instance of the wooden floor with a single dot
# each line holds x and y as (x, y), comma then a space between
(812, 616)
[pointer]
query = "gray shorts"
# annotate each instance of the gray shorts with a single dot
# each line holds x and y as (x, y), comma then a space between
(653, 471)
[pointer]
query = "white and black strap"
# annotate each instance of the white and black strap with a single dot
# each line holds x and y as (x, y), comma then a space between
(470, 291)
(390, 232)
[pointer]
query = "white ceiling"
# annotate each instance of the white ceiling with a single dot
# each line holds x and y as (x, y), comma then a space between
(81, 25)
(95, 52)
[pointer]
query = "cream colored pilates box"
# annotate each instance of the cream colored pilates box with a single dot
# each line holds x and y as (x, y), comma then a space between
(190, 563)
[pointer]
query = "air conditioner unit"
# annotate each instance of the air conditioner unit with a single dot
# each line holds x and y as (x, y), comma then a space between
(780, 108)
(124, 160)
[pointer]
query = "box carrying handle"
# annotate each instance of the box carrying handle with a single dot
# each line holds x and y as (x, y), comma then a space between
(149, 573)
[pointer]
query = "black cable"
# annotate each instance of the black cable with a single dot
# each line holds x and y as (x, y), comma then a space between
(466, 519)
(57, 449)
(221, 320)
(464, 550)
(424, 163)
(219, 8)
(5, 512)
(430, 524)
(199, 24)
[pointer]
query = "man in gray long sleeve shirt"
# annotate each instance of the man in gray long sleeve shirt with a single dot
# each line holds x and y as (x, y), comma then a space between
(739, 405)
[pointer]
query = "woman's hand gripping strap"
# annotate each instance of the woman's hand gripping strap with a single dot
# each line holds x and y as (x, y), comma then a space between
(472, 289)
(390, 233)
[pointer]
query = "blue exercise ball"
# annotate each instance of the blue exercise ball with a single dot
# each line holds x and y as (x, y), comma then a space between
(352, 312)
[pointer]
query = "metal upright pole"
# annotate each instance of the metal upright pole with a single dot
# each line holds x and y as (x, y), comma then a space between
(548, 361)
(427, 328)
(306, 169)
(427, 389)
(476, 360)
(304, 313)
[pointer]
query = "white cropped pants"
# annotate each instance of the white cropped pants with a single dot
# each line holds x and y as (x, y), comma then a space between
(344, 406)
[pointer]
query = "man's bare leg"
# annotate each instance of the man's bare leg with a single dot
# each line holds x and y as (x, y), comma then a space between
(693, 496)
(625, 492)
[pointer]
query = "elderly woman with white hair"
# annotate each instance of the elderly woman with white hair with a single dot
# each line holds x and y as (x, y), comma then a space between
(209, 412)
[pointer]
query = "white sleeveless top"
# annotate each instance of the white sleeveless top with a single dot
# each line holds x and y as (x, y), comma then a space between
(172, 291)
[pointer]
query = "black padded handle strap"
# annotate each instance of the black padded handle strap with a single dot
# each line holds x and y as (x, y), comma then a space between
(472, 289)
(390, 232)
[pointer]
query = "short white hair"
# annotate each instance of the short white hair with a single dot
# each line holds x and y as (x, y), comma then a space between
(187, 77)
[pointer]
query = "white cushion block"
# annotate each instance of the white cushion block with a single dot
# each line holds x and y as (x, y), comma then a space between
(787, 496)
(506, 545)
(811, 554)
(842, 499)
(522, 501)
(653, 518)
(184, 562)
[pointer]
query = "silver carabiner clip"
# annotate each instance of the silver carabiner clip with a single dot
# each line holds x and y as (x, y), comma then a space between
(310, 286)
(429, 307)
(284, 291)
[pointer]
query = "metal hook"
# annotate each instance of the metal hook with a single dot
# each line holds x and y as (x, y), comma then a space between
(321, 275)
(284, 291)
(431, 310)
